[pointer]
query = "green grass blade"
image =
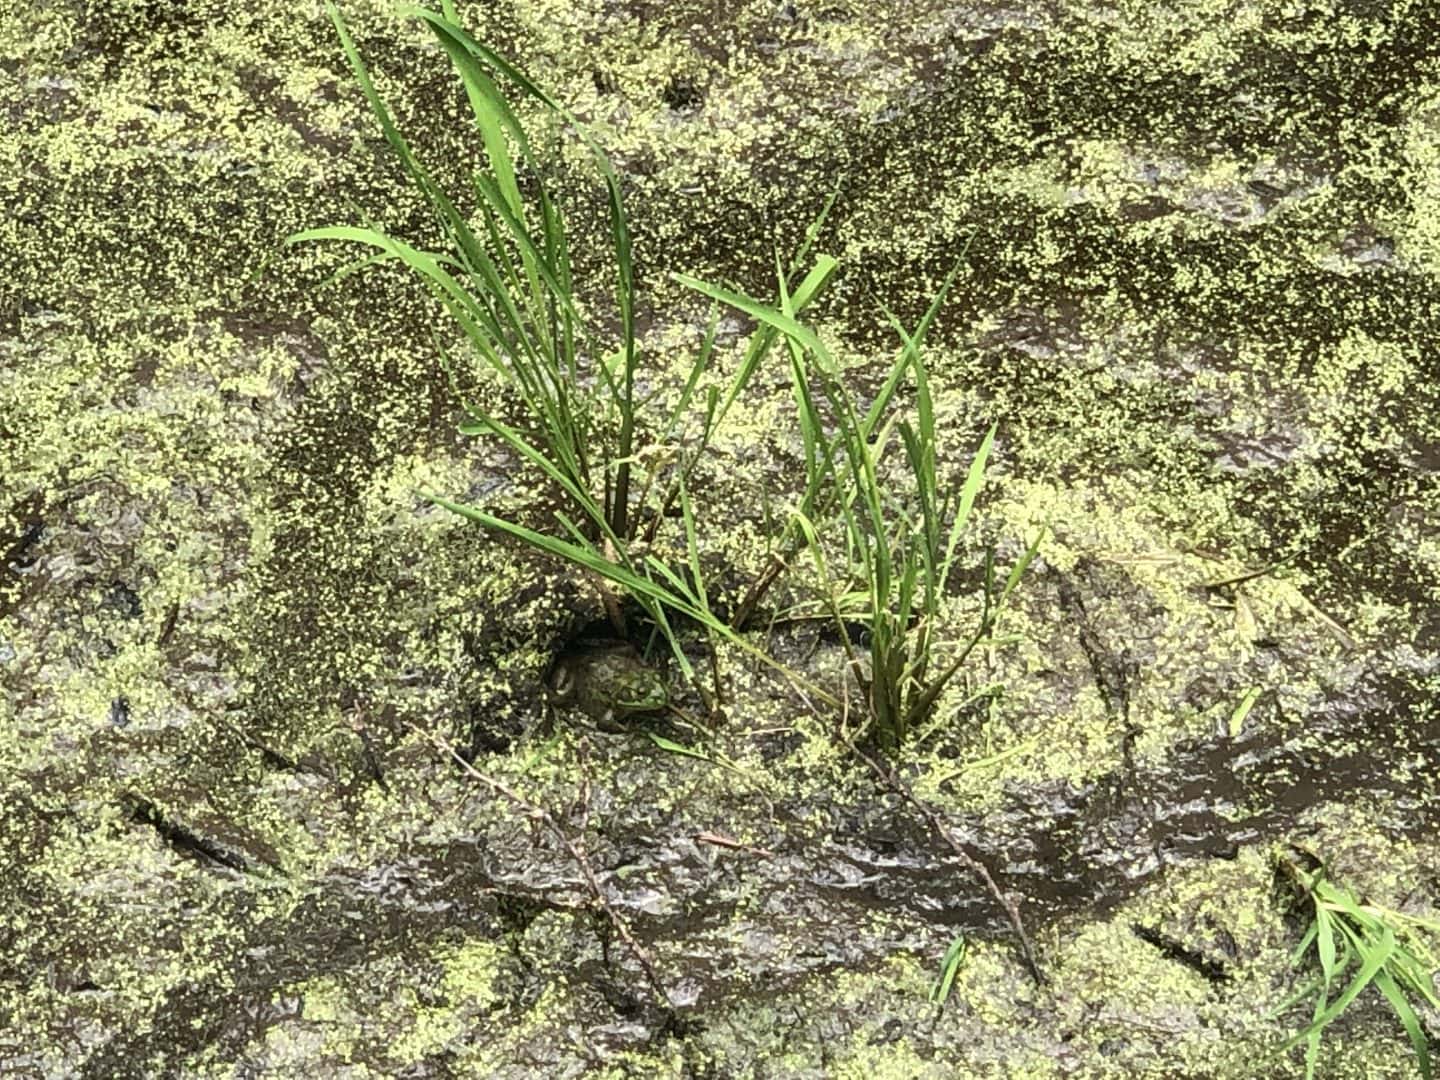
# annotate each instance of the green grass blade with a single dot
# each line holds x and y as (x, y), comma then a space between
(969, 491)
(764, 339)
(812, 231)
(813, 283)
(577, 554)
(455, 36)
(697, 369)
(911, 345)
(788, 326)
(675, 581)
(561, 476)
(949, 968)
(1325, 943)
(1018, 570)
(442, 283)
(1374, 958)
(692, 545)
(886, 393)
(1237, 718)
(491, 112)
(451, 220)
(671, 747)
(1408, 1020)
(533, 258)
(1304, 946)
(1306, 989)
(367, 87)
(817, 553)
(642, 588)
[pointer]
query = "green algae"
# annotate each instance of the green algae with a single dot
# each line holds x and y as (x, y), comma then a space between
(1203, 315)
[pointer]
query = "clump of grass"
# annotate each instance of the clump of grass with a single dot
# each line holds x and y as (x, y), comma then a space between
(504, 276)
(1357, 946)
(899, 527)
(507, 283)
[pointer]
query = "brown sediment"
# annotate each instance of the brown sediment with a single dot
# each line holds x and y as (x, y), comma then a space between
(1201, 298)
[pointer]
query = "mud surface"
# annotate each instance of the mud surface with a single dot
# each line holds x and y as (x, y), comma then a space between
(1201, 296)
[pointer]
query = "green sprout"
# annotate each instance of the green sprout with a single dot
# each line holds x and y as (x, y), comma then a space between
(949, 968)
(1357, 946)
(900, 533)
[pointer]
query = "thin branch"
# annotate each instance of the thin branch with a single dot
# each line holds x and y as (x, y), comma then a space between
(974, 865)
(535, 812)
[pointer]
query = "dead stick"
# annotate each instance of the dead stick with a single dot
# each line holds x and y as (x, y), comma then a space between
(893, 779)
(538, 813)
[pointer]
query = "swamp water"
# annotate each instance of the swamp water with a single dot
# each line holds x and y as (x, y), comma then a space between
(1201, 299)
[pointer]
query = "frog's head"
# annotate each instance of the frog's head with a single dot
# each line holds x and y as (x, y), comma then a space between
(640, 690)
(607, 682)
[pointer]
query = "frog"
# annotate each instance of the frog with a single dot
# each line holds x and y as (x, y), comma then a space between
(609, 682)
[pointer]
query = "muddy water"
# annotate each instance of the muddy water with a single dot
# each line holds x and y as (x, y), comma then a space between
(1200, 300)
(1070, 854)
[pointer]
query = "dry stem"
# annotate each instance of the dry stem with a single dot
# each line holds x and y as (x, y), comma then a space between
(535, 812)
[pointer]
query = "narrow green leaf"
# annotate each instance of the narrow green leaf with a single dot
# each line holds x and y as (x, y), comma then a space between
(1325, 943)
(949, 968)
(1304, 946)
(692, 545)
(813, 282)
(969, 491)
(676, 748)
(1242, 710)
(788, 326)
(1020, 567)
(1374, 959)
(1408, 1020)
(642, 588)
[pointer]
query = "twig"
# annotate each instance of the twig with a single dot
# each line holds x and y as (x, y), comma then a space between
(607, 594)
(974, 865)
(719, 840)
(1251, 575)
(758, 588)
(538, 813)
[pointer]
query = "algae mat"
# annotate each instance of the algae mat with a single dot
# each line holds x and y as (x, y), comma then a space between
(1202, 299)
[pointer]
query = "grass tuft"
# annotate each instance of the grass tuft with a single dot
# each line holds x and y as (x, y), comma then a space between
(898, 529)
(507, 284)
(1357, 946)
(504, 276)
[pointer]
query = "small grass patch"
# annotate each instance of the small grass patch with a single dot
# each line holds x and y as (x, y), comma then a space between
(1357, 946)
(504, 276)
(899, 527)
(949, 968)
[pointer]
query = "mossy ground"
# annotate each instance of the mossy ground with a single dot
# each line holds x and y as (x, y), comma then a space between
(1201, 296)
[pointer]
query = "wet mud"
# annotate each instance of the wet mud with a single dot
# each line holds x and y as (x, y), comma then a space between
(1200, 295)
